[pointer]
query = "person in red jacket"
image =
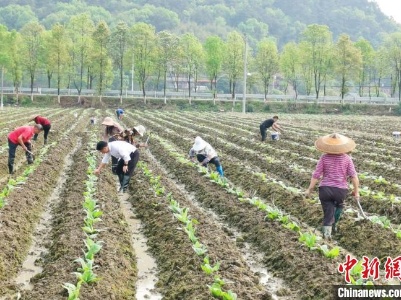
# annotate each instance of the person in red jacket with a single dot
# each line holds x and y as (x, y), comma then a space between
(45, 124)
(21, 136)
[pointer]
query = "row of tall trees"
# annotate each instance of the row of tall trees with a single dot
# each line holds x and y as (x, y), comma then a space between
(82, 55)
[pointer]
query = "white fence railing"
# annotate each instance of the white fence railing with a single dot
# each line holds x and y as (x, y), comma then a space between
(206, 96)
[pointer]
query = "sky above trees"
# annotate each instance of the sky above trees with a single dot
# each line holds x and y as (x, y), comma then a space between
(391, 8)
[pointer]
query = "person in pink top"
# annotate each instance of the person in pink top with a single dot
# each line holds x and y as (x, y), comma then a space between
(334, 168)
(45, 124)
(21, 136)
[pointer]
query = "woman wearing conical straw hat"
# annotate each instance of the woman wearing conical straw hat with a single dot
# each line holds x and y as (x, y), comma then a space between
(333, 169)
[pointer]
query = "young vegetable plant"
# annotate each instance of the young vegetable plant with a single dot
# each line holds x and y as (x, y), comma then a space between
(333, 253)
(309, 239)
(207, 268)
(73, 290)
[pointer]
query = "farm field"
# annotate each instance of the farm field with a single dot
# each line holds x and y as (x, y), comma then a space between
(251, 236)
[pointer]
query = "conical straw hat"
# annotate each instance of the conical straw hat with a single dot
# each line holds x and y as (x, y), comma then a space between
(335, 143)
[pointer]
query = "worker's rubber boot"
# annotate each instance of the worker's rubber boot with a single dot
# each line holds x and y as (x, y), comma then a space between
(125, 183)
(219, 169)
(327, 232)
(337, 216)
(10, 168)
(45, 142)
(29, 157)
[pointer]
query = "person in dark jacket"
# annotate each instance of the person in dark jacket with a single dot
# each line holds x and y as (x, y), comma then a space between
(46, 125)
(267, 124)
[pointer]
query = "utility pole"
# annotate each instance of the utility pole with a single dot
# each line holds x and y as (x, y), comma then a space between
(245, 75)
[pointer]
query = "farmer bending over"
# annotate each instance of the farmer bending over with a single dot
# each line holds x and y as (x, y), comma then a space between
(127, 156)
(267, 124)
(45, 124)
(21, 136)
(334, 167)
(119, 113)
(205, 154)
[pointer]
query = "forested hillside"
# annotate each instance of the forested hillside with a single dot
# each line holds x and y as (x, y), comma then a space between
(284, 20)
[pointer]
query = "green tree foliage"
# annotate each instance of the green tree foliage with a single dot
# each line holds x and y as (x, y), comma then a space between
(234, 59)
(80, 29)
(318, 43)
(167, 44)
(119, 44)
(160, 17)
(393, 52)
(16, 16)
(100, 57)
(267, 62)
(290, 65)
(366, 74)
(32, 49)
(57, 59)
(214, 54)
(144, 51)
(347, 63)
(63, 12)
(193, 58)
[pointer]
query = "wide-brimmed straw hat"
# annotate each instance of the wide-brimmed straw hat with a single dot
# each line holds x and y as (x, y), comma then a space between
(199, 144)
(140, 129)
(34, 117)
(335, 143)
(108, 121)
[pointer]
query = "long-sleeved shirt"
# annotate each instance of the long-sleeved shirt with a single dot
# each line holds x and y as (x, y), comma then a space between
(27, 132)
(119, 149)
(208, 152)
(42, 121)
(335, 170)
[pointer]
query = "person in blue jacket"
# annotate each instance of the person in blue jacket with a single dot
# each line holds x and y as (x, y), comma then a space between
(120, 113)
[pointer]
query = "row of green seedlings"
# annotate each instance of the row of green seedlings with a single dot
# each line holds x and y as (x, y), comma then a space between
(181, 214)
(20, 180)
(85, 273)
(272, 213)
(383, 221)
(365, 191)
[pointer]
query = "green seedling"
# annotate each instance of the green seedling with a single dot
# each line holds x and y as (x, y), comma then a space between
(207, 268)
(92, 247)
(309, 239)
(199, 248)
(333, 253)
(292, 226)
(73, 290)
(183, 216)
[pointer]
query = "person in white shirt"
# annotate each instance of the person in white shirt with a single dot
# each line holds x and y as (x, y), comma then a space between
(127, 155)
(205, 154)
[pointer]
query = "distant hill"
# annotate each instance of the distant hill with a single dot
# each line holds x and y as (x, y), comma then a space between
(282, 19)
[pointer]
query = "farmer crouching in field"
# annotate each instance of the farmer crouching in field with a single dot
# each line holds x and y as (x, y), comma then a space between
(112, 132)
(334, 167)
(267, 124)
(127, 156)
(21, 136)
(45, 124)
(129, 135)
(205, 154)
